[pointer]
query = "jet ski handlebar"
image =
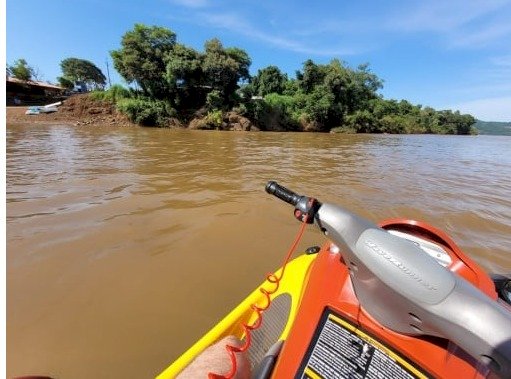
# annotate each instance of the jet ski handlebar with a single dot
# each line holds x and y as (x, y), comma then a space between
(305, 207)
(405, 289)
(284, 194)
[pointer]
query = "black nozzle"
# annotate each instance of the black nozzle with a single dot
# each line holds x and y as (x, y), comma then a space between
(282, 193)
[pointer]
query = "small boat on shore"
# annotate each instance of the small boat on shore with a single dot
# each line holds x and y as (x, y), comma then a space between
(50, 108)
(394, 300)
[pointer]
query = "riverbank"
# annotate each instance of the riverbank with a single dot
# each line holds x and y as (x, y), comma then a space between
(78, 110)
(82, 110)
(85, 110)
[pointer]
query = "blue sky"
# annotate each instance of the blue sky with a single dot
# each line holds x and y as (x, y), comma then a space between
(452, 54)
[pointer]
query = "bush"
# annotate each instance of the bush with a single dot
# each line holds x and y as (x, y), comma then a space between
(319, 103)
(284, 103)
(146, 112)
(98, 95)
(214, 119)
(402, 124)
(257, 110)
(113, 94)
(393, 124)
(343, 129)
(362, 121)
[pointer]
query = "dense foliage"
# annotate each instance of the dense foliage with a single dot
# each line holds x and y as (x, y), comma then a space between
(21, 70)
(65, 82)
(114, 94)
(81, 70)
(146, 111)
(174, 79)
(269, 80)
(141, 59)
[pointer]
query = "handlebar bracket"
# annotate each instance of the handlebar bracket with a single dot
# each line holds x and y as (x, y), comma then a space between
(306, 209)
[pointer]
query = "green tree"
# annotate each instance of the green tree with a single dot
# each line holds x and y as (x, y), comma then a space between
(344, 89)
(466, 124)
(291, 87)
(142, 58)
(455, 123)
(176, 78)
(285, 108)
(269, 80)
(312, 76)
(381, 107)
(242, 60)
(429, 120)
(81, 70)
(184, 76)
(393, 124)
(183, 66)
(353, 89)
(363, 86)
(223, 68)
(362, 121)
(64, 82)
(319, 104)
(21, 70)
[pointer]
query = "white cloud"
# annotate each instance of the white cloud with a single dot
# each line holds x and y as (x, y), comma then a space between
(482, 36)
(337, 27)
(460, 23)
(489, 109)
(444, 16)
(235, 23)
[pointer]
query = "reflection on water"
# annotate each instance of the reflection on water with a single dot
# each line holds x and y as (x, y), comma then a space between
(125, 245)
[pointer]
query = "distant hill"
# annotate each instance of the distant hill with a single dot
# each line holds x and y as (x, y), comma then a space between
(493, 128)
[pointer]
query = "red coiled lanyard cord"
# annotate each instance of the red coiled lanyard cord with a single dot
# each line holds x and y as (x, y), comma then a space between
(275, 281)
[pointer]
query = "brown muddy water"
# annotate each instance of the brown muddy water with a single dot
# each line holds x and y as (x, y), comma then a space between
(124, 245)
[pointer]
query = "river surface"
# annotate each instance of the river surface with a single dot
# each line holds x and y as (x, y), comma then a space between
(124, 245)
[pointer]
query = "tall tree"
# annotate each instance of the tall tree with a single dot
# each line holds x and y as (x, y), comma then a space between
(142, 58)
(183, 66)
(223, 68)
(269, 80)
(243, 61)
(81, 70)
(312, 76)
(21, 70)
(184, 77)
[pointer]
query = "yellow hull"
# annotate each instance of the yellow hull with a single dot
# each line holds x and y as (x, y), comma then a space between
(293, 283)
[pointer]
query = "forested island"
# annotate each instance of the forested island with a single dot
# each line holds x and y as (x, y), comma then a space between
(493, 128)
(172, 84)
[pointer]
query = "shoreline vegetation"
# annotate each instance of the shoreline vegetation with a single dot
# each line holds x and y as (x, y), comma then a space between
(173, 85)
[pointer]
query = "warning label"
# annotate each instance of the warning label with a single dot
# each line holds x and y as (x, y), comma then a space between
(340, 350)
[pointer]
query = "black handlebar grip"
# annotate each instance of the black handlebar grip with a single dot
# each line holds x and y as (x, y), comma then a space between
(282, 193)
